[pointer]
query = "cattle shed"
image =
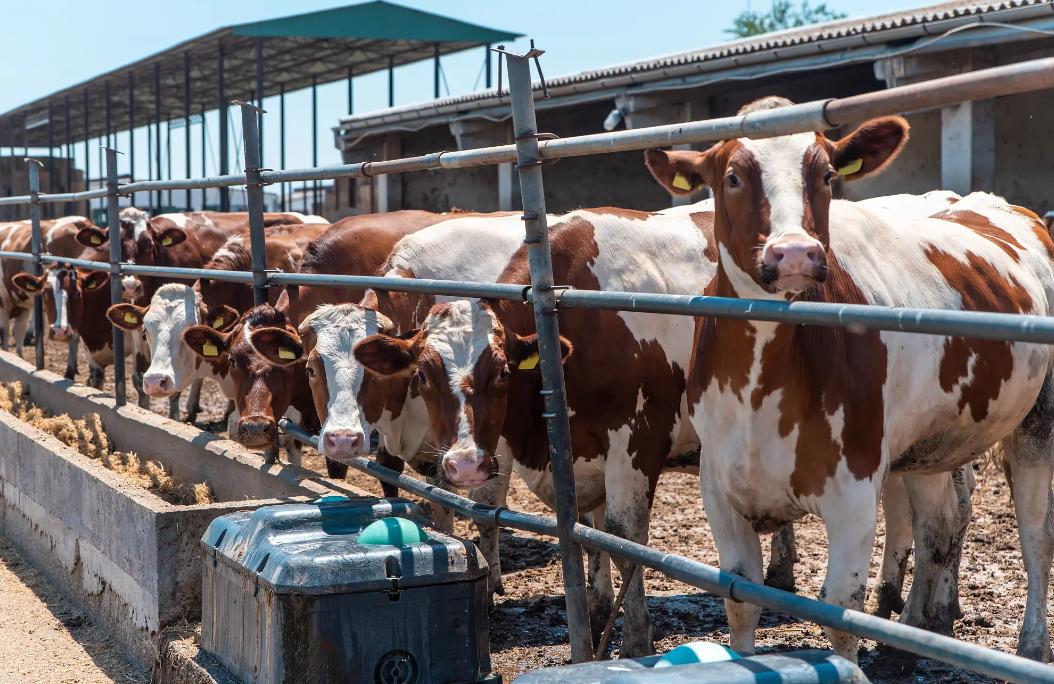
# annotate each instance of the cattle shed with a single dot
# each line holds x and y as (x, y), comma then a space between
(174, 88)
(996, 145)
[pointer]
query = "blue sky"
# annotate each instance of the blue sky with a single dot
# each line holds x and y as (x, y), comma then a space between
(63, 42)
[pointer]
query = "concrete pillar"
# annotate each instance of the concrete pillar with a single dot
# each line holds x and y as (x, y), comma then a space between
(641, 111)
(473, 133)
(388, 189)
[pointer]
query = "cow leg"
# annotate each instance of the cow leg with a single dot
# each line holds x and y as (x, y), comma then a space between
(18, 331)
(598, 582)
(72, 349)
(5, 330)
(194, 400)
(386, 459)
(739, 552)
(1029, 454)
(228, 412)
(96, 375)
(232, 420)
(896, 549)
(173, 406)
(494, 493)
(442, 517)
(628, 500)
(850, 517)
(783, 556)
(940, 505)
(141, 364)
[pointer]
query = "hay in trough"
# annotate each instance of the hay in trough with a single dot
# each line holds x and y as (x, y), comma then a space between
(87, 436)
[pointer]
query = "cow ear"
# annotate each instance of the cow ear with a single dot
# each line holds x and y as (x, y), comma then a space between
(385, 355)
(206, 342)
(170, 237)
(224, 318)
(93, 236)
(279, 346)
(29, 283)
(869, 149)
(522, 351)
(681, 172)
(94, 281)
(127, 317)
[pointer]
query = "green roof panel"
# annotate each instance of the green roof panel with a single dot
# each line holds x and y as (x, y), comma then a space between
(377, 20)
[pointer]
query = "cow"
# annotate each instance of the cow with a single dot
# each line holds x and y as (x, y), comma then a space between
(809, 419)
(357, 245)
(351, 403)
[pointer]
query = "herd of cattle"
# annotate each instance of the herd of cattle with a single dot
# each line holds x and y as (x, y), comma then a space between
(788, 419)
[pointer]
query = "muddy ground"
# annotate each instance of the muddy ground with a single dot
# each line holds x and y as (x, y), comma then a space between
(528, 626)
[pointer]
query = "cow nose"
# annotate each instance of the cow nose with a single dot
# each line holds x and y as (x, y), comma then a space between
(62, 333)
(342, 442)
(257, 431)
(795, 256)
(467, 468)
(158, 385)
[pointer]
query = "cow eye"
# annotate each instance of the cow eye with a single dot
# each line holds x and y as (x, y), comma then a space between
(310, 371)
(828, 177)
(503, 373)
(733, 180)
(421, 377)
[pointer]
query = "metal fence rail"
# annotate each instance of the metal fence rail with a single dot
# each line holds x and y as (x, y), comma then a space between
(529, 150)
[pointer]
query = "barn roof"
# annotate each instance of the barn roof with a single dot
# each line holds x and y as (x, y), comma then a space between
(297, 50)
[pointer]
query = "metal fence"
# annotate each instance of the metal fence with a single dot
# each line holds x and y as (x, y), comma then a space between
(531, 148)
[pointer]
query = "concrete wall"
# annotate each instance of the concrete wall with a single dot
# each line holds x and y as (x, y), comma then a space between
(1024, 173)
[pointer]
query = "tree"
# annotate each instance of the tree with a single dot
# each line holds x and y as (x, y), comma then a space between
(783, 15)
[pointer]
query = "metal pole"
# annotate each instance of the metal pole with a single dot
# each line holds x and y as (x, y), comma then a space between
(186, 122)
(168, 156)
(254, 200)
(204, 159)
(314, 140)
(69, 156)
(281, 139)
(486, 61)
(435, 71)
(351, 90)
(391, 81)
(107, 109)
(157, 133)
(131, 129)
(552, 369)
(37, 246)
(113, 224)
(87, 157)
(51, 151)
(225, 201)
(258, 46)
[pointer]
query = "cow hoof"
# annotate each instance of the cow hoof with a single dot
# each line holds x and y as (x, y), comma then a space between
(781, 578)
(1036, 650)
(889, 601)
(635, 648)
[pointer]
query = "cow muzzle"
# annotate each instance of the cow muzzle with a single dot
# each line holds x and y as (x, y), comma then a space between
(60, 333)
(159, 385)
(467, 468)
(794, 262)
(257, 432)
(342, 443)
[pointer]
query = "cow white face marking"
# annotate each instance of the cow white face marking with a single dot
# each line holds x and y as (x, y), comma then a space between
(173, 309)
(137, 218)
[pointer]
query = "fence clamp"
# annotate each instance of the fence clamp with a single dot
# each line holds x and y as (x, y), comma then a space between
(256, 174)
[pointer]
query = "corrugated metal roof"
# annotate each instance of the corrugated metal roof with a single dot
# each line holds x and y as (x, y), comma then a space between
(932, 20)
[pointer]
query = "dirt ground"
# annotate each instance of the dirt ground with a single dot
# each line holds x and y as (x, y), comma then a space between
(528, 625)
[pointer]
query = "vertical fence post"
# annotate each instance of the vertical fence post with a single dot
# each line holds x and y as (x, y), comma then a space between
(537, 238)
(113, 225)
(254, 199)
(37, 246)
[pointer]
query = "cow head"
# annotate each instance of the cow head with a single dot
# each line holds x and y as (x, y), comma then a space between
(461, 362)
(173, 309)
(143, 239)
(773, 196)
(262, 389)
(65, 291)
(346, 398)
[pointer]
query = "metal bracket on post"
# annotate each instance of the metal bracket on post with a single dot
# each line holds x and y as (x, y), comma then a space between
(552, 371)
(34, 167)
(113, 225)
(254, 198)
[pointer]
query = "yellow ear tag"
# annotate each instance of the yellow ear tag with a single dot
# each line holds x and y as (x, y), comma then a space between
(166, 241)
(286, 353)
(209, 349)
(130, 317)
(96, 240)
(851, 168)
(680, 181)
(529, 363)
(218, 323)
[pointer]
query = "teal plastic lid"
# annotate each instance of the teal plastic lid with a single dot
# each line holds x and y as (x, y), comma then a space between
(697, 652)
(392, 532)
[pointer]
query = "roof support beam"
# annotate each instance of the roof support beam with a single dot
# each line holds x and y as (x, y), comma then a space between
(225, 202)
(391, 81)
(186, 123)
(157, 133)
(131, 128)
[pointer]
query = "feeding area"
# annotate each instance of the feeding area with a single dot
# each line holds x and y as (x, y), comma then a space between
(789, 415)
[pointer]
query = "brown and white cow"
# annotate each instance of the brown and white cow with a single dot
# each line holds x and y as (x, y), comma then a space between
(357, 245)
(807, 419)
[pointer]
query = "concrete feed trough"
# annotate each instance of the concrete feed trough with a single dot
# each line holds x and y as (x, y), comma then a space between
(124, 555)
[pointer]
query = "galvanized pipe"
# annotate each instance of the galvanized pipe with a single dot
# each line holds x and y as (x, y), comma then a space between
(726, 585)
(113, 224)
(525, 128)
(36, 244)
(254, 199)
(85, 264)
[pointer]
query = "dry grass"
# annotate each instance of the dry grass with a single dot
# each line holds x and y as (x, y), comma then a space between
(89, 438)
